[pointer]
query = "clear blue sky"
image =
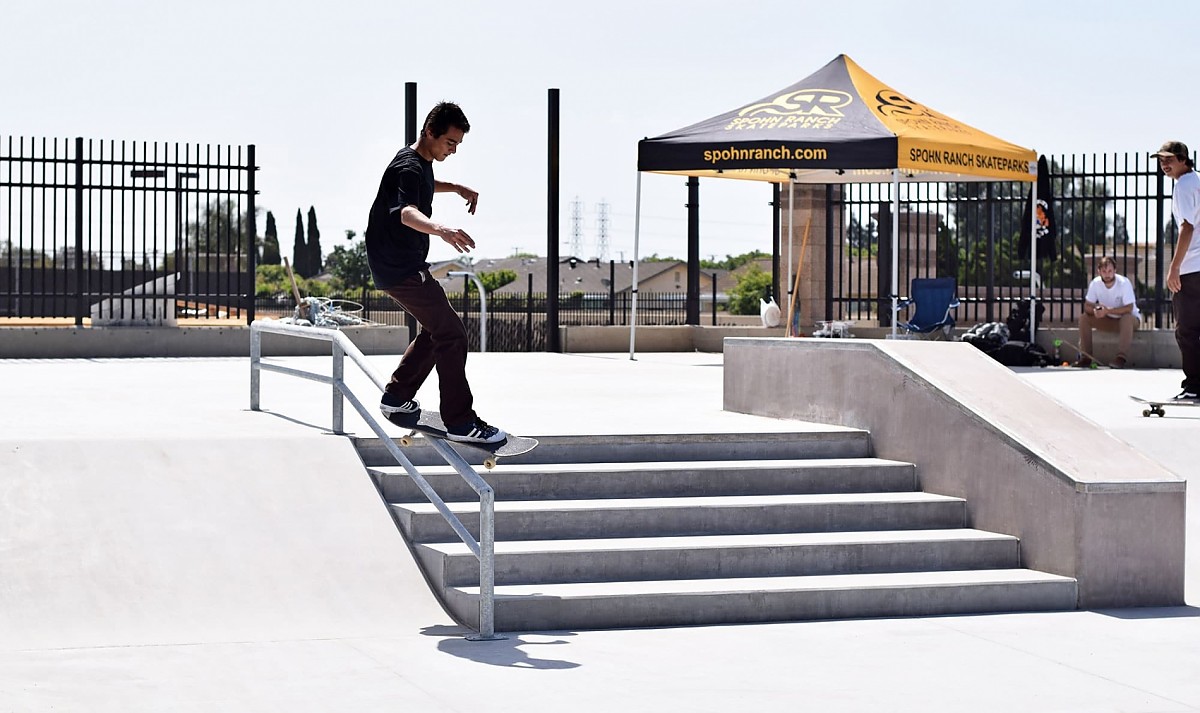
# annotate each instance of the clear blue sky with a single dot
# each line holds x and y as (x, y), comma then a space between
(319, 88)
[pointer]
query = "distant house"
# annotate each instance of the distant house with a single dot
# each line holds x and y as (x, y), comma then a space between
(582, 276)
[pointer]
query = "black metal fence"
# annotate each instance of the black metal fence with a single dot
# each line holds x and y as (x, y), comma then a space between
(1115, 204)
(137, 232)
(125, 232)
(516, 322)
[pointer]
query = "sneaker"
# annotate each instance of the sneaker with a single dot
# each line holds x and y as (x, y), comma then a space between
(1083, 363)
(1118, 363)
(1185, 395)
(390, 405)
(476, 431)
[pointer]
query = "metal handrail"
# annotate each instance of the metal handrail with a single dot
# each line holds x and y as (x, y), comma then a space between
(484, 549)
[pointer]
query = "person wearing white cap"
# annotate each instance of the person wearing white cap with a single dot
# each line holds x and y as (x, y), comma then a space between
(1183, 278)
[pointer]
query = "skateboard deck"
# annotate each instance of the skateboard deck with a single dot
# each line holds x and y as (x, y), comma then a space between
(1156, 407)
(429, 423)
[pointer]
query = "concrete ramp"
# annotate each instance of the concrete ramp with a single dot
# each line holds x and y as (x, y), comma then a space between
(124, 543)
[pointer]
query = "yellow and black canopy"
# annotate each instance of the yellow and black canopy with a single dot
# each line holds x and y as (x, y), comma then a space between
(837, 125)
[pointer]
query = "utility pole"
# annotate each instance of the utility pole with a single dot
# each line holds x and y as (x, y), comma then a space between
(577, 228)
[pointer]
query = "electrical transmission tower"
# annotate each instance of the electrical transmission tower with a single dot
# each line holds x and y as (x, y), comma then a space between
(602, 230)
(576, 227)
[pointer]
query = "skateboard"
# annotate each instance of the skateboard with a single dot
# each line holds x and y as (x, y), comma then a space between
(429, 423)
(1156, 407)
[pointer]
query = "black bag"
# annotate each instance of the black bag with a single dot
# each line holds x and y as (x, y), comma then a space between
(1018, 353)
(1018, 321)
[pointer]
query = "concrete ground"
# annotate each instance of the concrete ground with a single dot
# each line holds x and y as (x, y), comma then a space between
(137, 574)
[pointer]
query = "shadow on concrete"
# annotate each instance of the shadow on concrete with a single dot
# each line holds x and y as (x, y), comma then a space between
(1184, 612)
(506, 652)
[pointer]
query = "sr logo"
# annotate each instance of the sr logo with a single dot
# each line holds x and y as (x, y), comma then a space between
(892, 102)
(805, 102)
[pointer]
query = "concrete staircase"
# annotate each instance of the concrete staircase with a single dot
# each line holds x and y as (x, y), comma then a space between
(636, 531)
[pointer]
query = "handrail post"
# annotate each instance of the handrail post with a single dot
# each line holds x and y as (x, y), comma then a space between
(255, 368)
(487, 567)
(339, 376)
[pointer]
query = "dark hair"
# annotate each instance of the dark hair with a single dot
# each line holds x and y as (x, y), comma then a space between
(1107, 260)
(443, 116)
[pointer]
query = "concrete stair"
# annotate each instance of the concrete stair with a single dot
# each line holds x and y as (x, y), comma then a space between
(668, 530)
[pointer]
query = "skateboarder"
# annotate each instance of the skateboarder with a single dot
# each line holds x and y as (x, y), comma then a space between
(397, 240)
(1183, 279)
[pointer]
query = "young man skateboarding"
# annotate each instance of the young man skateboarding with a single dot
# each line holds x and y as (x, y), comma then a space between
(397, 239)
(1183, 279)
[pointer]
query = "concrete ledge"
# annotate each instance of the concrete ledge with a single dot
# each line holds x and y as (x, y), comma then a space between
(676, 338)
(1084, 503)
(108, 342)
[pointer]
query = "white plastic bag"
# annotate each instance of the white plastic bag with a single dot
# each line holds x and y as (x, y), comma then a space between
(769, 312)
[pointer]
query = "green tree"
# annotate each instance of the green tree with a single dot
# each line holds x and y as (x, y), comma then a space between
(300, 249)
(492, 281)
(220, 231)
(314, 244)
(349, 265)
(733, 262)
(270, 252)
(752, 286)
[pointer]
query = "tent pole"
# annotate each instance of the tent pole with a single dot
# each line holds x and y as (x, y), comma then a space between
(791, 246)
(637, 232)
(1033, 275)
(895, 247)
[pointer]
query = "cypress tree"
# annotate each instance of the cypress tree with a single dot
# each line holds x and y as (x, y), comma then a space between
(299, 249)
(270, 254)
(315, 263)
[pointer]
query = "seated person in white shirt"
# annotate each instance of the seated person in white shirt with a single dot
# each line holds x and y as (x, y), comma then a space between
(1110, 306)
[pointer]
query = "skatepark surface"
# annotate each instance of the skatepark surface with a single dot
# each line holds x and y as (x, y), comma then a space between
(165, 548)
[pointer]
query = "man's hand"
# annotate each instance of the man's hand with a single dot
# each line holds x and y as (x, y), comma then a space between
(1173, 282)
(457, 238)
(471, 197)
(1099, 310)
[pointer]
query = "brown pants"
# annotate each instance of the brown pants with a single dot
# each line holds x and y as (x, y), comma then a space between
(441, 344)
(1125, 324)
(1186, 305)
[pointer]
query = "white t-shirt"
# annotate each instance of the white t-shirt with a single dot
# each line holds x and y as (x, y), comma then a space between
(1185, 205)
(1119, 295)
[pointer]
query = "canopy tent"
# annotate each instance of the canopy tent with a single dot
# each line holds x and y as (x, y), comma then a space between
(838, 125)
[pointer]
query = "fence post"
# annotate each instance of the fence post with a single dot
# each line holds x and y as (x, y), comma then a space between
(1159, 254)
(529, 315)
(252, 262)
(80, 302)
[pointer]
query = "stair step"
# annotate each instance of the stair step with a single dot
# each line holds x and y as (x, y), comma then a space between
(710, 601)
(815, 442)
(648, 558)
(641, 517)
(659, 479)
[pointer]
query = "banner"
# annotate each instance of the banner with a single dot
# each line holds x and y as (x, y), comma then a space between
(1047, 231)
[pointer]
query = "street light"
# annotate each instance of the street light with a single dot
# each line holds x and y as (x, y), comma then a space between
(482, 306)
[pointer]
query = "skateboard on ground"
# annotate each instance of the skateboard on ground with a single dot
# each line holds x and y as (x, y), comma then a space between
(429, 423)
(1156, 407)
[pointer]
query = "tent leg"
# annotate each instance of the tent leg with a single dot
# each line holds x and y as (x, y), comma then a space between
(791, 287)
(637, 232)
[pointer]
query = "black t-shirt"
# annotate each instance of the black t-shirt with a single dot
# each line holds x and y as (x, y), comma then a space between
(394, 250)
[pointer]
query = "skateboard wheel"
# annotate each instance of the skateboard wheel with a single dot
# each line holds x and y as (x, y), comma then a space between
(406, 441)
(1160, 413)
(1146, 413)
(489, 463)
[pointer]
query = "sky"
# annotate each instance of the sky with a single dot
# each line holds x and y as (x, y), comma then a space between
(318, 88)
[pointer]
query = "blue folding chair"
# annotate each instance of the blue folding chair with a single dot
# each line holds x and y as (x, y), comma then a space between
(935, 299)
